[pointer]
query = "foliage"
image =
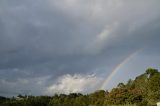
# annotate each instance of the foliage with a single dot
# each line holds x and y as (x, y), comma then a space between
(144, 90)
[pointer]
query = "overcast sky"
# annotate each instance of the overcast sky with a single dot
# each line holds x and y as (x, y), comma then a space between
(64, 46)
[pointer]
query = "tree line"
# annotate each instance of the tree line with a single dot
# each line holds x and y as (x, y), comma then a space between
(144, 90)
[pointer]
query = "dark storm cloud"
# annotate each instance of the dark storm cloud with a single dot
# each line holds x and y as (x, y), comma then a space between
(42, 40)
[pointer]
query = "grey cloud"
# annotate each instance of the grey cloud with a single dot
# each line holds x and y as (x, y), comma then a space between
(40, 38)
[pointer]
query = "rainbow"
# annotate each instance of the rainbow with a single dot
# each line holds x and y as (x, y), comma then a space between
(116, 69)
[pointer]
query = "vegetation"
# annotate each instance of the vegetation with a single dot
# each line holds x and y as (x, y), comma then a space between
(143, 91)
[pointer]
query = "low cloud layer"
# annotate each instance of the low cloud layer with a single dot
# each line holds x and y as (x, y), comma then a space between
(24, 86)
(74, 83)
(52, 39)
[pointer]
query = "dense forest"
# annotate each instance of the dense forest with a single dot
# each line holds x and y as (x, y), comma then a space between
(144, 90)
